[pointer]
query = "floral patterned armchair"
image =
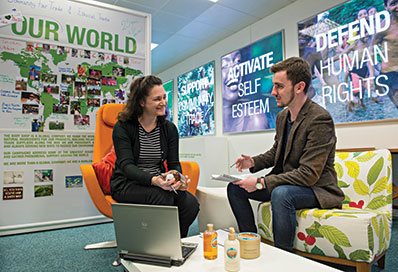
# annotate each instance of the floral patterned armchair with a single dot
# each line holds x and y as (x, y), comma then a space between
(359, 233)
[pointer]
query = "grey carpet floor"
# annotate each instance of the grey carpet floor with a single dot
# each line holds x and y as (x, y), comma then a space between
(62, 250)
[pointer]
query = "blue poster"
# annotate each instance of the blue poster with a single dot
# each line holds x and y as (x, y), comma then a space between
(352, 50)
(196, 101)
(247, 85)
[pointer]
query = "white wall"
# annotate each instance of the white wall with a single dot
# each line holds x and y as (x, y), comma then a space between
(379, 135)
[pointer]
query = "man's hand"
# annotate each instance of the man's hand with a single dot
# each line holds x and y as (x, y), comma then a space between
(249, 184)
(244, 162)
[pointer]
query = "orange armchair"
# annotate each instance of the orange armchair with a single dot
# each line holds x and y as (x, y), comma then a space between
(106, 119)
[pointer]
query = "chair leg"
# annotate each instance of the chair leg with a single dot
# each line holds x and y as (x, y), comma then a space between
(363, 267)
(381, 262)
(108, 244)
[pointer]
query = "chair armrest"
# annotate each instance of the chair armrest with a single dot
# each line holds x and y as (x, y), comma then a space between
(215, 208)
(98, 197)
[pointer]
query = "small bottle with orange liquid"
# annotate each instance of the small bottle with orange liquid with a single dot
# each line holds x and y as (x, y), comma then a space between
(210, 249)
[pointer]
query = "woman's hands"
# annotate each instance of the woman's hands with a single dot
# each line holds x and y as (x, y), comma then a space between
(161, 182)
(167, 181)
(179, 182)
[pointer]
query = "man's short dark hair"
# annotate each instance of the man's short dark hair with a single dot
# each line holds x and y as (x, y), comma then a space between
(297, 69)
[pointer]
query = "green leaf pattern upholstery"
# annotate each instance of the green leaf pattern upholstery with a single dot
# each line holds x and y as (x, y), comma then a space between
(360, 230)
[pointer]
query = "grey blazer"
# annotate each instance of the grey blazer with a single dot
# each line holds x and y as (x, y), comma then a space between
(309, 155)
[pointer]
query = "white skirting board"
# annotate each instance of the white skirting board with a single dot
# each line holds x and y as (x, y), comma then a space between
(51, 225)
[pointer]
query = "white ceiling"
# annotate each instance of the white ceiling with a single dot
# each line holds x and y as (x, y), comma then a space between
(183, 28)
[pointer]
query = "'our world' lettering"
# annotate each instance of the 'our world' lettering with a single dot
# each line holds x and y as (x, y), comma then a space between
(49, 30)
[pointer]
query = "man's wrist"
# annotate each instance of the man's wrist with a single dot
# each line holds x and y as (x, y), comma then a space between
(260, 184)
(252, 162)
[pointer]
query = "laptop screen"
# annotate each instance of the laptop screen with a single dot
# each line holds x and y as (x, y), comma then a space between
(147, 229)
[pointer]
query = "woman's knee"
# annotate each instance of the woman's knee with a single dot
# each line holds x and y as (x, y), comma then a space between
(160, 197)
(188, 204)
(193, 203)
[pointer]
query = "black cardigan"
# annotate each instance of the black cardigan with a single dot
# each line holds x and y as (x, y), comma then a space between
(127, 148)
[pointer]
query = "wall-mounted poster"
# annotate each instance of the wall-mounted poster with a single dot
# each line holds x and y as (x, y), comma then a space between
(169, 88)
(196, 101)
(247, 85)
(60, 61)
(352, 49)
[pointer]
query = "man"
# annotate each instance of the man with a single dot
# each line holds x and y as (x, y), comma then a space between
(302, 156)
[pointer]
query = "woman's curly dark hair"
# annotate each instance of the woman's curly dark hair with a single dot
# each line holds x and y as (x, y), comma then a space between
(139, 91)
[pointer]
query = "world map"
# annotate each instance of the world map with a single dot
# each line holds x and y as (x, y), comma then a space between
(45, 86)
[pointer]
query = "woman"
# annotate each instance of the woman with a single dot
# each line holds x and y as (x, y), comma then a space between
(144, 143)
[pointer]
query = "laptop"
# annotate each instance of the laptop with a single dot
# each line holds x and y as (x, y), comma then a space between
(150, 234)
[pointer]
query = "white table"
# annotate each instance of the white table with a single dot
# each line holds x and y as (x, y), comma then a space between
(271, 259)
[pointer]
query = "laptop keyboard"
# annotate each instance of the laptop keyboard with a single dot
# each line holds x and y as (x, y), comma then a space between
(186, 251)
(188, 248)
